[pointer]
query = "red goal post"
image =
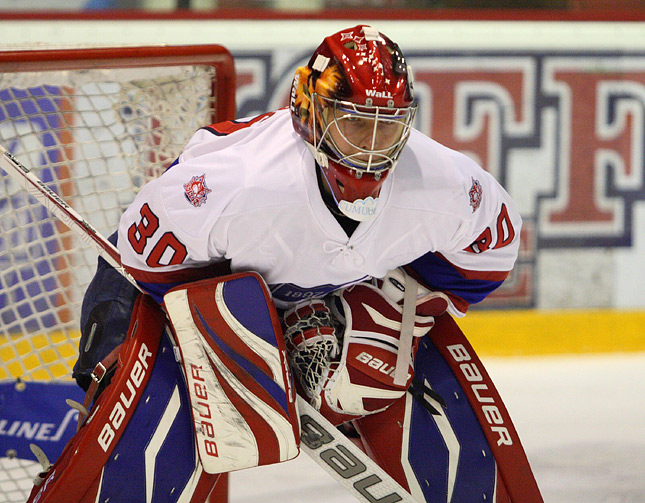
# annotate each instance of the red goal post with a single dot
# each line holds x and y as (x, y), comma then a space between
(44, 59)
(94, 124)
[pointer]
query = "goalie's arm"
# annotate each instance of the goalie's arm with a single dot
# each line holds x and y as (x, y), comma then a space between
(481, 258)
(165, 240)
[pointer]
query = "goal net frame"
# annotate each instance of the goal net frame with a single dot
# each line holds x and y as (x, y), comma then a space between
(43, 353)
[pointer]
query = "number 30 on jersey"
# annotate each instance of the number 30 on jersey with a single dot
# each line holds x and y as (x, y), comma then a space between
(168, 250)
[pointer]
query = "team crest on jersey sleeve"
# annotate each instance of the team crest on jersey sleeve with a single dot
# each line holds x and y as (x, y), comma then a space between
(475, 194)
(196, 190)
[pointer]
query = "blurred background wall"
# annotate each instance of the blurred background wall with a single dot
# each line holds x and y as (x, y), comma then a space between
(320, 5)
(548, 95)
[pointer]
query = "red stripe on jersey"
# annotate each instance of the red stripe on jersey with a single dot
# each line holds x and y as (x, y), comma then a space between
(228, 127)
(181, 275)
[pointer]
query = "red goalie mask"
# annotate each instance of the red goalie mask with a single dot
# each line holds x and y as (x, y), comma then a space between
(354, 105)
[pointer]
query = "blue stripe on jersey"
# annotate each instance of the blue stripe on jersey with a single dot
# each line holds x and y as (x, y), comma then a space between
(158, 290)
(173, 163)
(291, 293)
(438, 274)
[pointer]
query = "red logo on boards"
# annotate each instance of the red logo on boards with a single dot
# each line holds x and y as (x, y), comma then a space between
(196, 190)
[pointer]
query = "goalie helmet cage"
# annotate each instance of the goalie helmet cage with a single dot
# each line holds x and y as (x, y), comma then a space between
(94, 124)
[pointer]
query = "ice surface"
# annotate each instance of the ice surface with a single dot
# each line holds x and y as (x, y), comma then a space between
(581, 420)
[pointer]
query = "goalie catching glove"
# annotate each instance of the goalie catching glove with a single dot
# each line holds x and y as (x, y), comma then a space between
(366, 322)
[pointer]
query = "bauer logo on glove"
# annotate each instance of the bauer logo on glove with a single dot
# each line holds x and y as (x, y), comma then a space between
(361, 380)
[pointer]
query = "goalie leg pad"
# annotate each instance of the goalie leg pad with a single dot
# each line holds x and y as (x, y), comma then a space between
(460, 445)
(137, 445)
(234, 358)
(439, 457)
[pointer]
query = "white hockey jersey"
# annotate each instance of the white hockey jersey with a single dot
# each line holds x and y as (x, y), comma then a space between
(246, 191)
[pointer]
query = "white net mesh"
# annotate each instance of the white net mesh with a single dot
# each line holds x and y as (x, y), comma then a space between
(310, 336)
(94, 137)
(16, 476)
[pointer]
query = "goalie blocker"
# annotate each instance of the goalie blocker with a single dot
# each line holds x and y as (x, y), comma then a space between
(235, 362)
(164, 431)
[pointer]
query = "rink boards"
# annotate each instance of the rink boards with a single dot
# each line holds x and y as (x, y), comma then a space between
(492, 333)
(534, 332)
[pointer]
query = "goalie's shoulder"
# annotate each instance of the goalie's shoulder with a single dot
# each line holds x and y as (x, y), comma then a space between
(435, 178)
(241, 174)
(266, 128)
(248, 126)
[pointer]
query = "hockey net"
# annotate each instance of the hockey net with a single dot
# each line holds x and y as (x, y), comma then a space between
(94, 124)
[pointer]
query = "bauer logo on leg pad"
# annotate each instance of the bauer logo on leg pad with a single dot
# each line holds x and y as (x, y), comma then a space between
(235, 364)
(514, 472)
(126, 399)
(483, 393)
(137, 445)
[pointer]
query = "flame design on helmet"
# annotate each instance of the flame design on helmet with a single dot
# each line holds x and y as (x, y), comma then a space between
(327, 85)
(301, 105)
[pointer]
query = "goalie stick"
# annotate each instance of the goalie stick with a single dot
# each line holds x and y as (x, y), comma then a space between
(61, 210)
(334, 452)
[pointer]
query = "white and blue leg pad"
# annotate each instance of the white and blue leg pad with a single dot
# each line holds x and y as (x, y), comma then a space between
(137, 445)
(234, 359)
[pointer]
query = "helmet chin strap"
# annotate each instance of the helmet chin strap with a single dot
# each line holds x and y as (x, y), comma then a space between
(360, 209)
